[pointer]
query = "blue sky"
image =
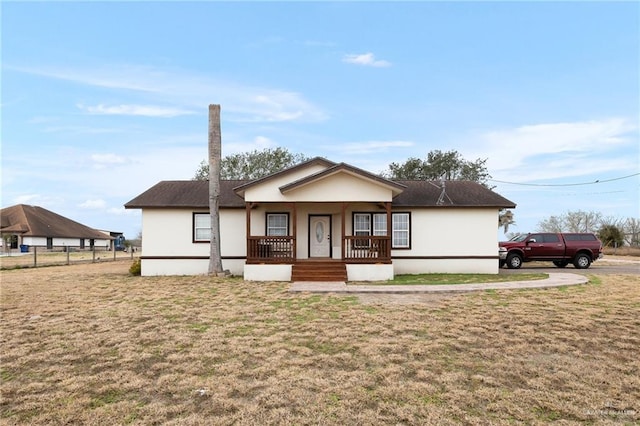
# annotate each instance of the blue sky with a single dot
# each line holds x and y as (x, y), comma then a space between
(100, 101)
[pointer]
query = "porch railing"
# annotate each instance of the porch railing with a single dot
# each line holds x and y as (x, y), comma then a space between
(271, 249)
(367, 248)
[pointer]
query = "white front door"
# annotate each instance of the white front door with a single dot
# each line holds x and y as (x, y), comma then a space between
(320, 236)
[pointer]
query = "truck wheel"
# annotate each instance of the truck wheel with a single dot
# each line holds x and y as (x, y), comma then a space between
(501, 263)
(561, 263)
(514, 261)
(582, 261)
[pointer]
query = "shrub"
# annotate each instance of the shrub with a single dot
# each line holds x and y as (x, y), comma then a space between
(611, 236)
(136, 268)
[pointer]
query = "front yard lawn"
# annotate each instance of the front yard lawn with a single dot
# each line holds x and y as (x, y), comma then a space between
(91, 345)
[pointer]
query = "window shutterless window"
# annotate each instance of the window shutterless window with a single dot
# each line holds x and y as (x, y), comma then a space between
(376, 224)
(400, 230)
(201, 227)
(362, 226)
(277, 224)
(380, 224)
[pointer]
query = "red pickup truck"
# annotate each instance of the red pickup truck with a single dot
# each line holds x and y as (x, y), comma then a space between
(561, 249)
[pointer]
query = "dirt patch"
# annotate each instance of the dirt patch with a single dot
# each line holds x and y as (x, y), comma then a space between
(428, 299)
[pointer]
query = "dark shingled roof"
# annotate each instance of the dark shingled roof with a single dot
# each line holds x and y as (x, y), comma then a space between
(34, 221)
(195, 194)
(187, 194)
(457, 193)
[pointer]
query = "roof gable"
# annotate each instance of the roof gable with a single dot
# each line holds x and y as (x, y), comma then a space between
(36, 221)
(317, 161)
(347, 169)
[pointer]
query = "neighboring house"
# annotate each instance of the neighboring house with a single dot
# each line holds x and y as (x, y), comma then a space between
(299, 223)
(33, 226)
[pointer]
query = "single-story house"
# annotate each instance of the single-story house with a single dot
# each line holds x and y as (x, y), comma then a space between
(321, 220)
(33, 226)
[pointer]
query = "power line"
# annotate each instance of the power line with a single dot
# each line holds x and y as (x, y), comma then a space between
(564, 184)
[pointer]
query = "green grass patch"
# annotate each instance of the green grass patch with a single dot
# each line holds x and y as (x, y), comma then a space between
(447, 279)
(199, 327)
(109, 397)
(6, 376)
(595, 280)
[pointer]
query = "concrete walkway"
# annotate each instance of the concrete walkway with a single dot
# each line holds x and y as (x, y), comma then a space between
(554, 280)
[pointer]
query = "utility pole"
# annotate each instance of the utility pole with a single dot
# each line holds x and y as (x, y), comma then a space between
(215, 158)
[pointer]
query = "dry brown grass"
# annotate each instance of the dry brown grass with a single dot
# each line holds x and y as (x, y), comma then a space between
(91, 345)
(622, 251)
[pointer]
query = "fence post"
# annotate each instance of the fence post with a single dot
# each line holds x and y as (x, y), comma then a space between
(132, 252)
(68, 250)
(93, 250)
(35, 256)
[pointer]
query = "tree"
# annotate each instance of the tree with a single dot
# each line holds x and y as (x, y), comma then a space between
(215, 145)
(572, 221)
(611, 236)
(253, 165)
(505, 219)
(448, 165)
(551, 224)
(579, 221)
(631, 229)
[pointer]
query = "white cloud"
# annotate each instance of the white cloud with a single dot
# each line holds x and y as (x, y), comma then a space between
(102, 161)
(555, 150)
(187, 91)
(74, 129)
(369, 147)
(38, 200)
(141, 110)
(121, 76)
(259, 143)
(366, 59)
(107, 158)
(121, 211)
(93, 204)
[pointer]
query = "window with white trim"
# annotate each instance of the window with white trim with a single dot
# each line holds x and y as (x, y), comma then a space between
(361, 224)
(376, 224)
(379, 224)
(400, 230)
(201, 227)
(278, 224)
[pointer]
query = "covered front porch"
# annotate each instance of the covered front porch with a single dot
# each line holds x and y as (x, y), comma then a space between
(311, 233)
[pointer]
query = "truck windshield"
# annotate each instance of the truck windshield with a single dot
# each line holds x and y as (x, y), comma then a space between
(519, 238)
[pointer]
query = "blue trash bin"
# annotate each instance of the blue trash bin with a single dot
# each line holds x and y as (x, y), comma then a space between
(24, 248)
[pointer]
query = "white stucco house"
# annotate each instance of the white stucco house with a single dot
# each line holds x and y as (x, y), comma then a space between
(33, 226)
(322, 220)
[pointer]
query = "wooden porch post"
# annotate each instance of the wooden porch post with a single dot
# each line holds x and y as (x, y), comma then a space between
(343, 226)
(389, 230)
(294, 229)
(248, 220)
